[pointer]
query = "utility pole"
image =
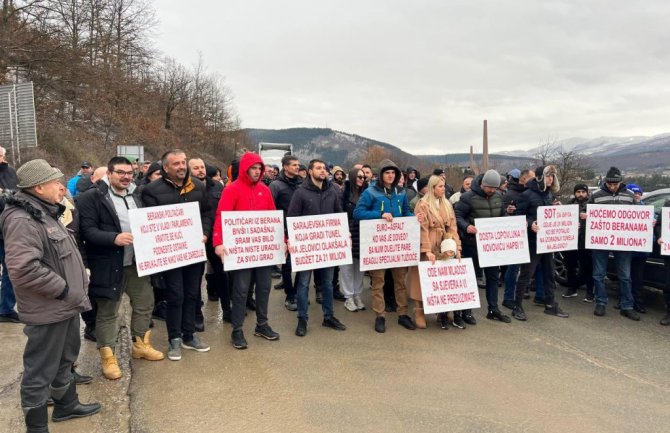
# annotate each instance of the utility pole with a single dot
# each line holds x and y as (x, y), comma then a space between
(485, 152)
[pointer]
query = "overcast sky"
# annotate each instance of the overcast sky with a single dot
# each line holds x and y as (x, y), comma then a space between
(423, 74)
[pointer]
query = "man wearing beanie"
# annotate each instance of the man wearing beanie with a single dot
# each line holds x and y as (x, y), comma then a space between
(613, 192)
(482, 201)
(580, 259)
(541, 191)
(50, 283)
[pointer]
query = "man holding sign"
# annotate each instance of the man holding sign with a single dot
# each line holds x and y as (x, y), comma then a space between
(315, 196)
(386, 201)
(247, 193)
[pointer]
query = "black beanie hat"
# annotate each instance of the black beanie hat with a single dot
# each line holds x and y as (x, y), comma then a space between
(438, 172)
(422, 183)
(613, 175)
(539, 170)
(581, 187)
(155, 166)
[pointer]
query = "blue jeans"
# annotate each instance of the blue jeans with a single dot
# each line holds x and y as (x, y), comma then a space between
(511, 275)
(7, 300)
(302, 279)
(622, 260)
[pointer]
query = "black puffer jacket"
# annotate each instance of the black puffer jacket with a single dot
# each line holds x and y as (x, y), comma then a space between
(514, 191)
(310, 200)
(98, 227)
(162, 192)
(282, 190)
(476, 204)
(530, 200)
(604, 196)
(213, 190)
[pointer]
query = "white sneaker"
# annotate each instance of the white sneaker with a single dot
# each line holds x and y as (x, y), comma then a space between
(359, 303)
(350, 305)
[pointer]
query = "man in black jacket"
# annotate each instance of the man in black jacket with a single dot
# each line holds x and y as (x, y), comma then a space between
(540, 192)
(182, 284)
(316, 196)
(282, 190)
(482, 201)
(105, 229)
(578, 263)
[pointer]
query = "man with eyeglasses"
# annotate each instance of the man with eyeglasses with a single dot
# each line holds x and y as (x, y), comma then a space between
(105, 228)
(613, 192)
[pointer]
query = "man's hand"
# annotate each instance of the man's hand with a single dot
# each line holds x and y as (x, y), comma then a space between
(388, 217)
(204, 239)
(582, 216)
(471, 229)
(123, 239)
(534, 227)
(220, 251)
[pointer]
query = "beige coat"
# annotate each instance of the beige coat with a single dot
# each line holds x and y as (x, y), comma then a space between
(433, 229)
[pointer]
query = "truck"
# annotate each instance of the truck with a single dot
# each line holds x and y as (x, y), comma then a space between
(272, 153)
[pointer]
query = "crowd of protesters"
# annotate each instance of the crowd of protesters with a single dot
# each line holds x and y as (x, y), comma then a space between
(67, 250)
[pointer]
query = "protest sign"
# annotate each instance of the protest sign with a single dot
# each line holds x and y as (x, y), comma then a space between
(253, 239)
(390, 244)
(665, 231)
(448, 285)
(559, 228)
(319, 241)
(166, 237)
(619, 227)
(502, 241)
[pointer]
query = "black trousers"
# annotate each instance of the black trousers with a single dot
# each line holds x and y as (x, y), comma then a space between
(527, 272)
(581, 259)
(182, 294)
(219, 277)
(47, 359)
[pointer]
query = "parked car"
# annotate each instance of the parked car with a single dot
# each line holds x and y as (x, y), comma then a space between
(654, 275)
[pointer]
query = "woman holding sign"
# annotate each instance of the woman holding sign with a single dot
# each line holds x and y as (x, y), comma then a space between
(439, 223)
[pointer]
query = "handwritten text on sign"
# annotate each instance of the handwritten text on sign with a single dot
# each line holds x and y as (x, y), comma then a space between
(619, 228)
(390, 244)
(559, 228)
(253, 239)
(502, 241)
(665, 231)
(166, 237)
(319, 241)
(448, 285)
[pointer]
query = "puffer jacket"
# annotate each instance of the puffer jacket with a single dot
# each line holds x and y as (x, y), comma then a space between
(476, 204)
(622, 196)
(532, 198)
(243, 195)
(377, 200)
(309, 199)
(42, 260)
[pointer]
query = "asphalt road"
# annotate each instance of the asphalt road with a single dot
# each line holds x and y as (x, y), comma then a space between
(581, 374)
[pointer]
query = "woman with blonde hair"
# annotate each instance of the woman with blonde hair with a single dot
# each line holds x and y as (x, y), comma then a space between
(439, 223)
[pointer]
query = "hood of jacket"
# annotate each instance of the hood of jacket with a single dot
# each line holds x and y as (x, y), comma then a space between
(247, 160)
(387, 164)
(476, 186)
(33, 205)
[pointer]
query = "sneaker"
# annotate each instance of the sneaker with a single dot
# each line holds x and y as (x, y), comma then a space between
(238, 340)
(266, 332)
(519, 314)
(406, 322)
(444, 320)
(12, 317)
(631, 314)
(458, 322)
(195, 344)
(350, 305)
(89, 333)
(555, 310)
(666, 320)
(589, 298)
(174, 351)
(332, 322)
(599, 310)
(359, 303)
(301, 329)
(291, 305)
(279, 286)
(276, 273)
(508, 304)
(570, 293)
(469, 318)
(380, 324)
(498, 315)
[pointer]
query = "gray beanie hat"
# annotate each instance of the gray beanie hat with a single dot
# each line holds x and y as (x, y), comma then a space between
(491, 179)
(36, 172)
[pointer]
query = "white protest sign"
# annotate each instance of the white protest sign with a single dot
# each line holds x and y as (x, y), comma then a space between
(166, 237)
(559, 228)
(390, 244)
(319, 241)
(619, 227)
(448, 285)
(252, 239)
(502, 241)
(665, 231)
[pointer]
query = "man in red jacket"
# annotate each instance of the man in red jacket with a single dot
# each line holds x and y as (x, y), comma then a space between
(247, 193)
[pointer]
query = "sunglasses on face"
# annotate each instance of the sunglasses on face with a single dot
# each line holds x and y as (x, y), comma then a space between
(360, 177)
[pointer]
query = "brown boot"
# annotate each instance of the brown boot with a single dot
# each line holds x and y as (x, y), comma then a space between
(110, 367)
(142, 349)
(419, 318)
